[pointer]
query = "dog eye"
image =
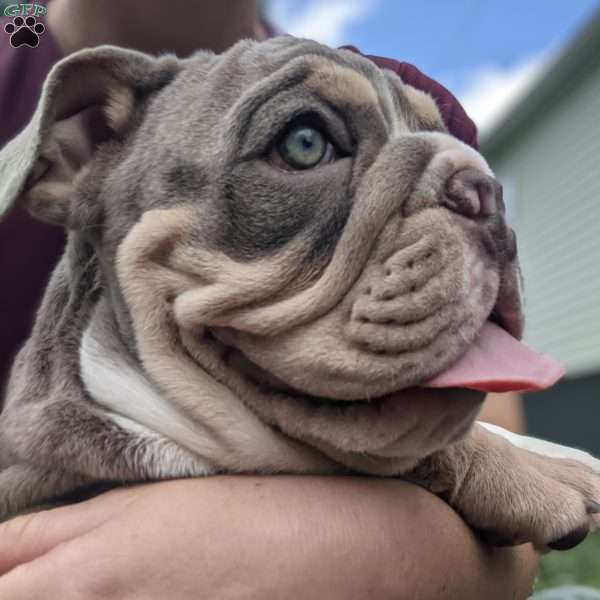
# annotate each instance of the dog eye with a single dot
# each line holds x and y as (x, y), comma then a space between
(304, 147)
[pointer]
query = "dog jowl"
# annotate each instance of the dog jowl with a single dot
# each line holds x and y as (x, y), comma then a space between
(278, 261)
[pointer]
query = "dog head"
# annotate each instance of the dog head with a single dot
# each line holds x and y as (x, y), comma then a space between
(288, 219)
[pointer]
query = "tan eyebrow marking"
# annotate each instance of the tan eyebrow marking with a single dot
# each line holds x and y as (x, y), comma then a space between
(424, 106)
(340, 84)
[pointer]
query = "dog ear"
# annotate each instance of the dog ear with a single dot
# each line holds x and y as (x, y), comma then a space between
(87, 99)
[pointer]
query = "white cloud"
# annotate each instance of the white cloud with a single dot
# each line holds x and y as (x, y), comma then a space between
(326, 21)
(492, 91)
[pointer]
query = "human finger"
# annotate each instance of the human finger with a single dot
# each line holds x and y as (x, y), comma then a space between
(30, 536)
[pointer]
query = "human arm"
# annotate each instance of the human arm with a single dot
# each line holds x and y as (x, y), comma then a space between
(505, 410)
(257, 537)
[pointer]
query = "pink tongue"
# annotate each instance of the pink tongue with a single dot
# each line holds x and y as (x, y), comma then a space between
(498, 362)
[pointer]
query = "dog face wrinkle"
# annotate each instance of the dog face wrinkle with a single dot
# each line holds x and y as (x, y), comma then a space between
(279, 234)
(277, 237)
(195, 231)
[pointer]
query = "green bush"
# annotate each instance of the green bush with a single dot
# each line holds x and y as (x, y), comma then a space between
(580, 566)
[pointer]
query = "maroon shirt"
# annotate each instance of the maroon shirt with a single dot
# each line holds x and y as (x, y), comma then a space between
(29, 249)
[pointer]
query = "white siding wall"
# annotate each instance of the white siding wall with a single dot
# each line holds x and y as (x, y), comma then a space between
(553, 172)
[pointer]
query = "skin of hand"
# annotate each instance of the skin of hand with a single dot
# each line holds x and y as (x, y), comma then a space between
(257, 537)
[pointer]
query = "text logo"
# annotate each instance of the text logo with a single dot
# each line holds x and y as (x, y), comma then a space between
(22, 10)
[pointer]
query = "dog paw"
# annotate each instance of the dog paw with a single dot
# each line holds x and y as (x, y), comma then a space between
(554, 507)
(535, 492)
(24, 32)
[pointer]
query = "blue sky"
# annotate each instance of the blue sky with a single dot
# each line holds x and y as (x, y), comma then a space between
(488, 52)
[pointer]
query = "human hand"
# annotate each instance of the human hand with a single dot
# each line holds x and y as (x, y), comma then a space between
(256, 537)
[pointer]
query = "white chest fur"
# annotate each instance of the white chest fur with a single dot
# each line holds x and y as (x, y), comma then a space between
(135, 404)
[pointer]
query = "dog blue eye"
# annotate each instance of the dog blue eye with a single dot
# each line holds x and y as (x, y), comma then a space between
(303, 147)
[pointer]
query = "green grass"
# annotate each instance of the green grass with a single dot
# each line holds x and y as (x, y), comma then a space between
(580, 566)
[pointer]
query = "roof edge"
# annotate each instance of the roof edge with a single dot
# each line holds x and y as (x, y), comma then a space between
(558, 80)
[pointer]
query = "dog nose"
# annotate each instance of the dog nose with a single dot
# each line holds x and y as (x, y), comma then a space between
(472, 193)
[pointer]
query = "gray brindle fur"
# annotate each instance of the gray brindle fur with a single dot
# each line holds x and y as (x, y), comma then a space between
(219, 311)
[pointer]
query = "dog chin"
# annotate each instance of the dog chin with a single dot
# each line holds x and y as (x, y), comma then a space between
(384, 435)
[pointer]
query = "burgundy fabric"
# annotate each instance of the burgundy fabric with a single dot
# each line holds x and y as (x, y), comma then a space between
(29, 249)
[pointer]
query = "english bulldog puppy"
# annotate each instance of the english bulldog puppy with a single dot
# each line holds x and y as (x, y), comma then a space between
(278, 261)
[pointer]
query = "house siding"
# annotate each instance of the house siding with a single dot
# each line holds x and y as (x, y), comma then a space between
(553, 177)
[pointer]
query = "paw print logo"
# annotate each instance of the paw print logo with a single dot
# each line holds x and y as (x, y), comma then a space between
(24, 32)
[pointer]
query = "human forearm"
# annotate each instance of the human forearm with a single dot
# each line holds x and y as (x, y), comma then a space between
(390, 540)
(261, 537)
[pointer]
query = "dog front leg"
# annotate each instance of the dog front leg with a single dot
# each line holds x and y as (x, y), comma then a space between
(27, 488)
(46, 463)
(531, 492)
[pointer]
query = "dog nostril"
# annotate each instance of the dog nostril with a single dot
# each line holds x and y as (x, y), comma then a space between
(472, 193)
